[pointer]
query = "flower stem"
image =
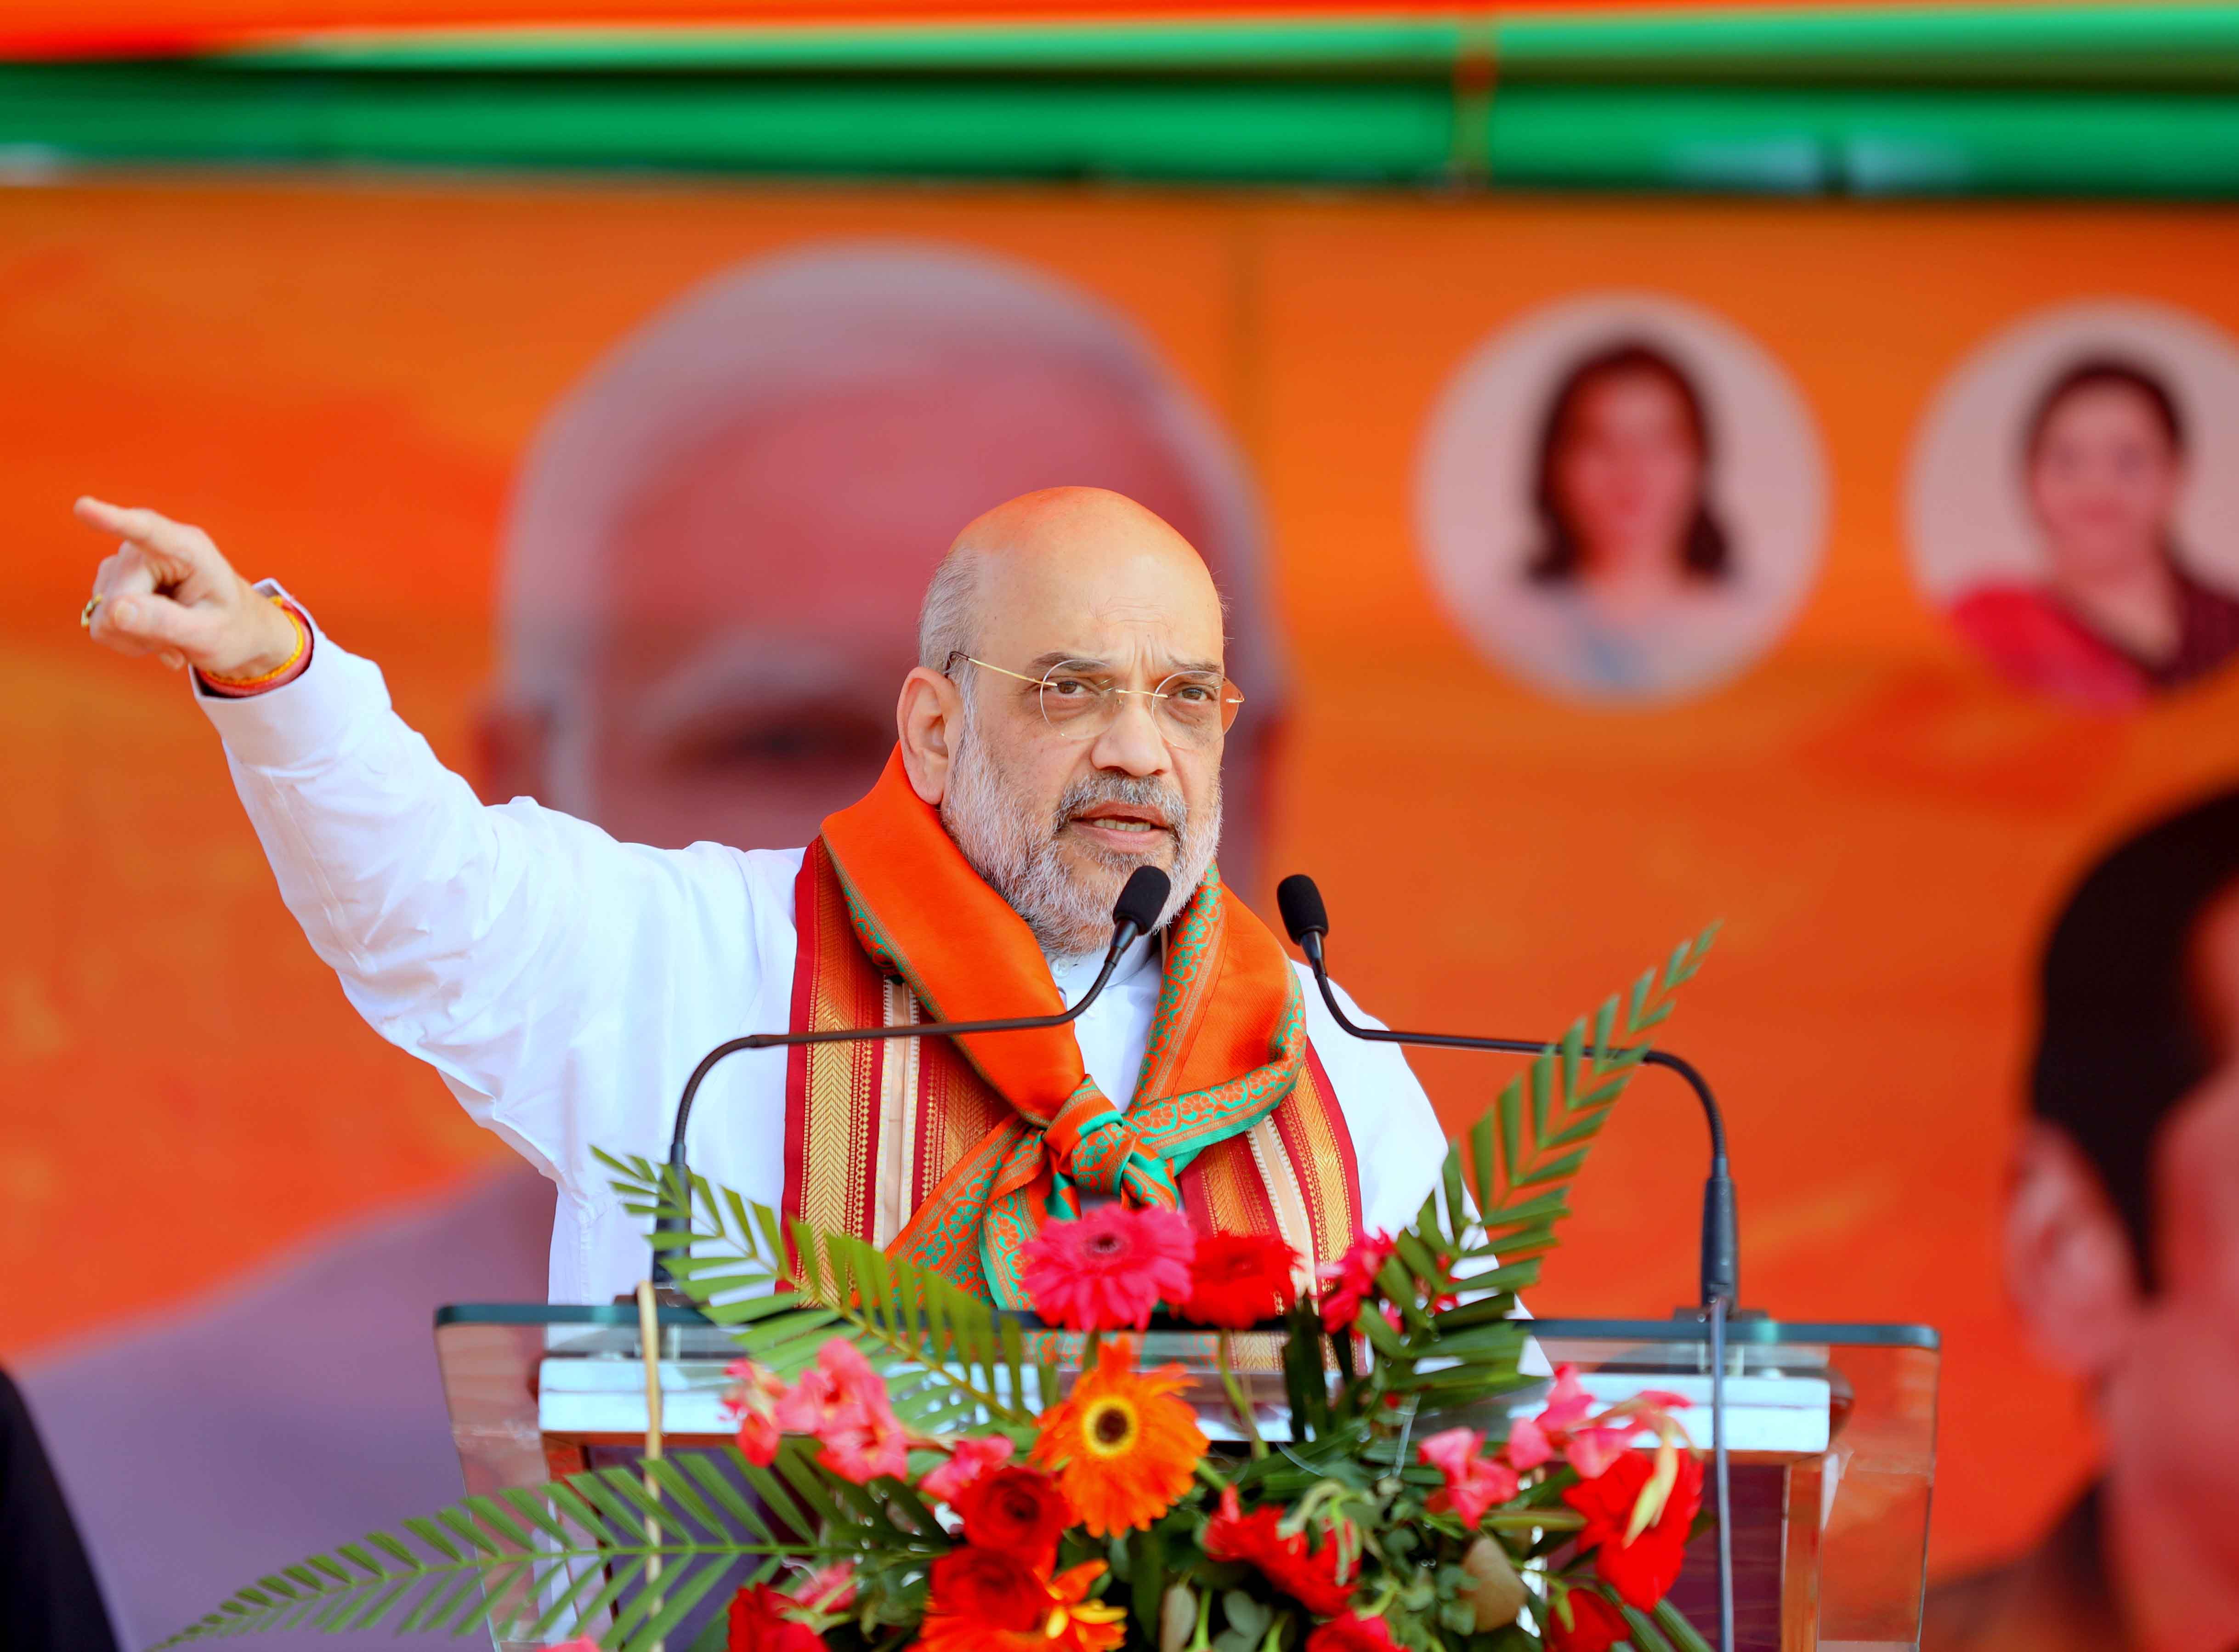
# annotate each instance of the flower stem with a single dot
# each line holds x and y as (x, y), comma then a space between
(1241, 1406)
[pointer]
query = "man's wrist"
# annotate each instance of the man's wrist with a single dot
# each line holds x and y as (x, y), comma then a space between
(272, 667)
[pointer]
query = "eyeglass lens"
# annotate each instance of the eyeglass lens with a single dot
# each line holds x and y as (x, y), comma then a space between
(1079, 699)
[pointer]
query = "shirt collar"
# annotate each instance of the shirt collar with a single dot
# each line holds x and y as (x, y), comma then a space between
(1076, 975)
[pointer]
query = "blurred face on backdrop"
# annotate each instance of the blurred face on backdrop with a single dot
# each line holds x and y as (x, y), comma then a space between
(1071, 727)
(720, 548)
(744, 672)
(2173, 1399)
(2161, 1360)
(1627, 474)
(2104, 475)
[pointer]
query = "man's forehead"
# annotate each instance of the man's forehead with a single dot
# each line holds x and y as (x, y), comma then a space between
(1137, 616)
(1082, 568)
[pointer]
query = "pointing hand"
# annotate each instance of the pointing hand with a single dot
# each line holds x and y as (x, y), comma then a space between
(168, 591)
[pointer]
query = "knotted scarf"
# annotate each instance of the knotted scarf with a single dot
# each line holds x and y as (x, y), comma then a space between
(954, 1153)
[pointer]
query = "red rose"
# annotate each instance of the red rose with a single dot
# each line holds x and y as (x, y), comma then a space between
(1019, 1511)
(759, 1624)
(1642, 1571)
(1596, 1625)
(1238, 1279)
(984, 1590)
(1309, 1579)
(1351, 1633)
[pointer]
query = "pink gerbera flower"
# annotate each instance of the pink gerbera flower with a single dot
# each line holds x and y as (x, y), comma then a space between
(875, 1445)
(1567, 1428)
(1109, 1269)
(841, 1400)
(1473, 1483)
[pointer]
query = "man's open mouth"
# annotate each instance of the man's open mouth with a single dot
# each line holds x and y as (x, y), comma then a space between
(1123, 817)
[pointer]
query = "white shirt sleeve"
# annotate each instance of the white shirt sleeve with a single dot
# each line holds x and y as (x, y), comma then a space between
(509, 947)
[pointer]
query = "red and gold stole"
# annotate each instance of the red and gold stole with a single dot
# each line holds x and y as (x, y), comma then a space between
(953, 1152)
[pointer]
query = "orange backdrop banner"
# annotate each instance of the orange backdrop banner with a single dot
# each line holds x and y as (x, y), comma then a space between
(1513, 792)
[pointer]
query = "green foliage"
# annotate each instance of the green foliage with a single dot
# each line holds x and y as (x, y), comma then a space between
(599, 1552)
(783, 1290)
(543, 1563)
(1478, 1240)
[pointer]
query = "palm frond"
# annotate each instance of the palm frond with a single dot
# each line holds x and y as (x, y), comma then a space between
(781, 1289)
(541, 1565)
(1480, 1237)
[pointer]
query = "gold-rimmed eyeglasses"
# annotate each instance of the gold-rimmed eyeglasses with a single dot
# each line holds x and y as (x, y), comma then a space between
(1080, 698)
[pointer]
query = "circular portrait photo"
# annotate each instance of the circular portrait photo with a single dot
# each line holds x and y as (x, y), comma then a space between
(2074, 501)
(1621, 497)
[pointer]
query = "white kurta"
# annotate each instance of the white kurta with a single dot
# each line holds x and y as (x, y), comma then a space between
(565, 984)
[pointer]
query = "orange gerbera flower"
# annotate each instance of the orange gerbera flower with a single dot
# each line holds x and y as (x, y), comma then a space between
(1122, 1447)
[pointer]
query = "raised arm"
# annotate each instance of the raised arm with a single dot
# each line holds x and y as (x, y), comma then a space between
(496, 943)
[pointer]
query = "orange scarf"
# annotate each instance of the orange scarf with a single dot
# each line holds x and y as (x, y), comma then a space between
(955, 1152)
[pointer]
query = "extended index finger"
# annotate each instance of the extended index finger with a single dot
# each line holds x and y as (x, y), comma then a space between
(167, 540)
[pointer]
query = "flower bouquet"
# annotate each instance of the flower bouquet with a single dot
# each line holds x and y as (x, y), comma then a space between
(914, 1468)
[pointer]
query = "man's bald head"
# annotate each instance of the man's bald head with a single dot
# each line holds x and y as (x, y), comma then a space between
(1028, 555)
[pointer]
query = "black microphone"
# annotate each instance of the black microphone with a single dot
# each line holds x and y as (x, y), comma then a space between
(1307, 921)
(1142, 898)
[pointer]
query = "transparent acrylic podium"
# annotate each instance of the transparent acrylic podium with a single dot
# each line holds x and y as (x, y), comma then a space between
(1831, 1434)
(1830, 1430)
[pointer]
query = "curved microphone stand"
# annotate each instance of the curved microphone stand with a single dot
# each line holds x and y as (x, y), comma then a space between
(1307, 921)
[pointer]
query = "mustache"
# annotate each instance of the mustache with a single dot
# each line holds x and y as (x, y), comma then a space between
(1142, 793)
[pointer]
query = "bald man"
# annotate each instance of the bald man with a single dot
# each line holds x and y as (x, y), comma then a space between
(1063, 725)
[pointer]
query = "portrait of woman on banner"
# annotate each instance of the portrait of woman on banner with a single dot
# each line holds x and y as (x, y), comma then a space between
(2104, 465)
(1624, 457)
(2089, 561)
(1635, 569)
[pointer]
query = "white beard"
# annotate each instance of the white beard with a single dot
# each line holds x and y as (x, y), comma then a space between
(1018, 853)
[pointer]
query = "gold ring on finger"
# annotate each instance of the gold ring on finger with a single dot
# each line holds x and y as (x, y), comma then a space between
(85, 614)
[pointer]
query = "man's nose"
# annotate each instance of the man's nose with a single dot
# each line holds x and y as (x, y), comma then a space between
(1132, 744)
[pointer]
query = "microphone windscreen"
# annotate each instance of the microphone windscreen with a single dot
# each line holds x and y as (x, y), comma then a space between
(1300, 903)
(1142, 899)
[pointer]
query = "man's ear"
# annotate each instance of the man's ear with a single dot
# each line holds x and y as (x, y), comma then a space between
(928, 717)
(2070, 1270)
(511, 743)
